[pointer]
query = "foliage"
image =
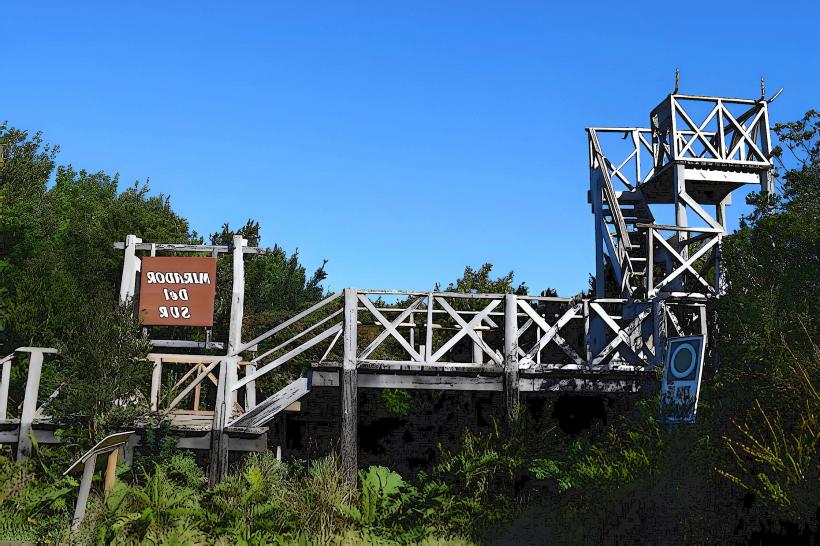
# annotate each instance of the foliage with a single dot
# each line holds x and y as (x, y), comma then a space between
(766, 387)
(397, 401)
(34, 500)
(777, 459)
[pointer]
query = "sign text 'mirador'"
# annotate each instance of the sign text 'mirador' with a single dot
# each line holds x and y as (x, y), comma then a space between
(158, 277)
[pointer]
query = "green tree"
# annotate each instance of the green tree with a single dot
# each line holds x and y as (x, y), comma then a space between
(765, 391)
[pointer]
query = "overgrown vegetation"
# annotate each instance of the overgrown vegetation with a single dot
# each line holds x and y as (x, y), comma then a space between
(748, 470)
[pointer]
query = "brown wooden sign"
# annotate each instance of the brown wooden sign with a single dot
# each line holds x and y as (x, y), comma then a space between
(177, 291)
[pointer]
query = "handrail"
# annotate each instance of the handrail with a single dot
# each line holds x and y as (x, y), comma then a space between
(609, 194)
(273, 331)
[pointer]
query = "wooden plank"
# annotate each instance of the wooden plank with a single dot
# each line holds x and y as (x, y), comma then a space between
(547, 381)
(268, 409)
(395, 365)
(325, 378)
(187, 344)
(176, 247)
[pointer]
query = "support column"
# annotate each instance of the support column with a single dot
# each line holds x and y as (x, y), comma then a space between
(349, 381)
(218, 464)
(237, 314)
(237, 294)
(510, 358)
(720, 216)
(659, 329)
(679, 174)
(595, 332)
(597, 208)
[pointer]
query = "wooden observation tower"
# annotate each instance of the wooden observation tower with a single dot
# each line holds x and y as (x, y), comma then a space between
(659, 197)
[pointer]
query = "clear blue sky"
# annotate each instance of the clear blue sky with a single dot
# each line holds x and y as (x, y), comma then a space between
(401, 141)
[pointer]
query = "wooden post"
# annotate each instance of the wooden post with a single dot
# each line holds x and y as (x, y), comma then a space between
(237, 313)
(720, 277)
(587, 339)
(428, 334)
(250, 388)
(198, 389)
(510, 357)
(110, 471)
(218, 464)
(130, 266)
(650, 262)
(156, 381)
(85, 488)
(597, 208)
(478, 354)
(349, 381)
(238, 294)
(659, 329)
(679, 173)
(35, 368)
(5, 379)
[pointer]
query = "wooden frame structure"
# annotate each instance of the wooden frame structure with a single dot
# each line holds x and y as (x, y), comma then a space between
(32, 423)
(695, 153)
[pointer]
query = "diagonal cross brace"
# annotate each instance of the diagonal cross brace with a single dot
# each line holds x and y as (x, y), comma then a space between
(551, 332)
(686, 263)
(390, 328)
(622, 335)
(468, 328)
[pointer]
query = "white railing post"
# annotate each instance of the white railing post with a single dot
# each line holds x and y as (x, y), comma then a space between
(237, 314)
(5, 379)
(510, 357)
(156, 381)
(35, 368)
(349, 381)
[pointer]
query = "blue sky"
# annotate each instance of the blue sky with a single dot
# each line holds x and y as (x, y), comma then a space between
(401, 141)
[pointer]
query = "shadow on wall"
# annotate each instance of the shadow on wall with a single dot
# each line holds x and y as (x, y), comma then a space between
(576, 413)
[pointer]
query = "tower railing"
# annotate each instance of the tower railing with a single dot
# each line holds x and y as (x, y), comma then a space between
(727, 131)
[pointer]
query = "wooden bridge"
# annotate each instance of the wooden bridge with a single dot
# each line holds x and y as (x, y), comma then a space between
(695, 153)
